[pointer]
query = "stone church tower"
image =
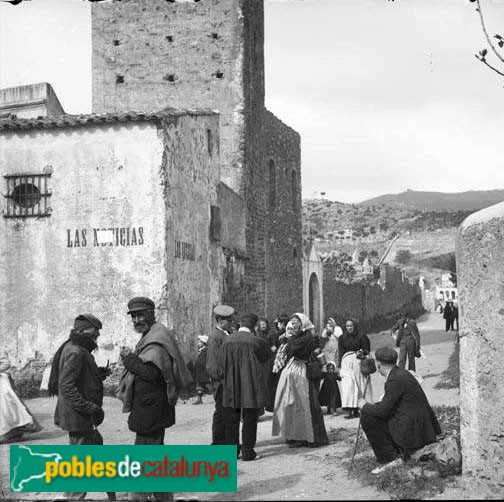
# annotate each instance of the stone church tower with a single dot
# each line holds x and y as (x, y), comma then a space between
(209, 54)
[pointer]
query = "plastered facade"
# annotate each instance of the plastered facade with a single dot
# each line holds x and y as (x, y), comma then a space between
(130, 216)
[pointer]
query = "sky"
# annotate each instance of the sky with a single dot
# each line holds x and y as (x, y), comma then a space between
(387, 95)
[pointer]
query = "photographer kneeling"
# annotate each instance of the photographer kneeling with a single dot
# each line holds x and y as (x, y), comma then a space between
(403, 420)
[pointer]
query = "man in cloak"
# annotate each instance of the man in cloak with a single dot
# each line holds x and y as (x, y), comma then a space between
(154, 374)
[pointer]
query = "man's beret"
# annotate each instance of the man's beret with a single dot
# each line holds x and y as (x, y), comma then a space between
(283, 318)
(140, 303)
(87, 321)
(249, 320)
(223, 311)
(386, 355)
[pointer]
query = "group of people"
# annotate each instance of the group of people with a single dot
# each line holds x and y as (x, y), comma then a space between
(291, 372)
(154, 375)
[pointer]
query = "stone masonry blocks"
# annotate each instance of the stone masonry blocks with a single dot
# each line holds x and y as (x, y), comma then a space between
(479, 251)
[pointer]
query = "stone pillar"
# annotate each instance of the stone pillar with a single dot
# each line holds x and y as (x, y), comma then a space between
(480, 269)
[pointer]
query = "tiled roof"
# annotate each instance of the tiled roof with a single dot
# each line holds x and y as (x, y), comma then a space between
(13, 123)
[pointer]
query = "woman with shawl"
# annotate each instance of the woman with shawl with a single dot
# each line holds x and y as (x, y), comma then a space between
(297, 414)
(353, 381)
(15, 418)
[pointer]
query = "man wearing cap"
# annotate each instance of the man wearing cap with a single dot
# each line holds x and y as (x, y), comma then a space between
(244, 384)
(449, 315)
(223, 326)
(403, 420)
(153, 376)
(407, 339)
(78, 382)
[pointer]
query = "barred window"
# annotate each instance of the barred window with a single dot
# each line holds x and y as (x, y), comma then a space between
(27, 195)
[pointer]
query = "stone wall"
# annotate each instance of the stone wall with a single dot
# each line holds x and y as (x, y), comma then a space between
(280, 186)
(234, 247)
(150, 54)
(193, 260)
(480, 280)
(374, 306)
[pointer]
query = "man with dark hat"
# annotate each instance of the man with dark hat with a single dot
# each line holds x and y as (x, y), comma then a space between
(403, 420)
(223, 326)
(449, 315)
(153, 376)
(244, 385)
(78, 382)
(407, 339)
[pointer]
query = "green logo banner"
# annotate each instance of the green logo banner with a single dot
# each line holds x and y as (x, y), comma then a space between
(125, 468)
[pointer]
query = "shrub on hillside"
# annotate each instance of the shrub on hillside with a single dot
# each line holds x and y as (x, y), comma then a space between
(403, 256)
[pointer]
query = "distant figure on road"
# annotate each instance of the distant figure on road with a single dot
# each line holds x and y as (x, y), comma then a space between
(456, 314)
(449, 314)
(403, 421)
(407, 339)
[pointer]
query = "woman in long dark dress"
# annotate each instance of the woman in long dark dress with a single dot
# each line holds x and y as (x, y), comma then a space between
(353, 381)
(297, 415)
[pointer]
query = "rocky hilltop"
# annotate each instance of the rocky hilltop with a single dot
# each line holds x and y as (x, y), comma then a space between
(421, 225)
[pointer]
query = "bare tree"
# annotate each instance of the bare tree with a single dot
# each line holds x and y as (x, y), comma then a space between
(493, 43)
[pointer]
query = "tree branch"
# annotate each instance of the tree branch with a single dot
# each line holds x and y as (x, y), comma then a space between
(494, 50)
(483, 60)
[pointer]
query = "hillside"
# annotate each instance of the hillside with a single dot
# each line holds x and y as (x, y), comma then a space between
(438, 201)
(428, 234)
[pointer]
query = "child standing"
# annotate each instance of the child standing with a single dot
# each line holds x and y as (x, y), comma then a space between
(200, 375)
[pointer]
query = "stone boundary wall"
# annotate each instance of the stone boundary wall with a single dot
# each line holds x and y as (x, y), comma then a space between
(479, 251)
(374, 306)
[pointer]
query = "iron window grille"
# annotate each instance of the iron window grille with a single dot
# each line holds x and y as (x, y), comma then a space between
(27, 195)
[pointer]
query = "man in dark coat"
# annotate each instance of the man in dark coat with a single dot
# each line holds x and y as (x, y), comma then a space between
(154, 374)
(223, 326)
(78, 383)
(244, 385)
(403, 420)
(449, 315)
(408, 340)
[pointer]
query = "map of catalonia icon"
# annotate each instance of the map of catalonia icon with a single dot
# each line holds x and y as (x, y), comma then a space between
(29, 466)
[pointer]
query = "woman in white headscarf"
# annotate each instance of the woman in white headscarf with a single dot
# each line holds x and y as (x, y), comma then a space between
(297, 414)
